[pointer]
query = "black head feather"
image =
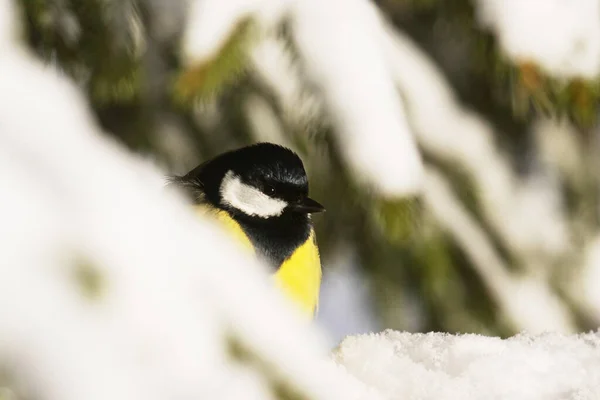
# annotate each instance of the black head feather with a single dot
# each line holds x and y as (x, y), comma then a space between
(274, 170)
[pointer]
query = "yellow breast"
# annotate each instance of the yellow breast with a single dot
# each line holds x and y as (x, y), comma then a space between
(299, 276)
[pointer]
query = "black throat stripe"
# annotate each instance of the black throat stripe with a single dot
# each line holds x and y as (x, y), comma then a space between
(276, 239)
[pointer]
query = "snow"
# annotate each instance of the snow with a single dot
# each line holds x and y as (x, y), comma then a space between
(339, 44)
(211, 22)
(526, 301)
(460, 136)
(173, 290)
(441, 366)
(336, 41)
(563, 37)
(558, 149)
(9, 23)
(509, 204)
(274, 64)
(173, 286)
(587, 282)
(75, 196)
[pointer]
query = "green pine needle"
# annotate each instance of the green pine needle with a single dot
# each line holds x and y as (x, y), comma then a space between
(396, 218)
(203, 81)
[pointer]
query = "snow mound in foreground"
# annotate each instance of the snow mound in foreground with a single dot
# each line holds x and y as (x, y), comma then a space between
(442, 366)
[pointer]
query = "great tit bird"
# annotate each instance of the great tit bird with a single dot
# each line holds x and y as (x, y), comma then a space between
(260, 194)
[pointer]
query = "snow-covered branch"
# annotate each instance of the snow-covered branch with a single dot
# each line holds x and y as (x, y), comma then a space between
(563, 37)
(339, 45)
(274, 65)
(336, 43)
(526, 301)
(110, 287)
(531, 223)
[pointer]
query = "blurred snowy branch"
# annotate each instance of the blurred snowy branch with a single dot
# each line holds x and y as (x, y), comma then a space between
(529, 218)
(111, 288)
(333, 76)
(301, 109)
(314, 80)
(527, 301)
(461, 137)
(339, 43)
(563, 37)
(373, 136)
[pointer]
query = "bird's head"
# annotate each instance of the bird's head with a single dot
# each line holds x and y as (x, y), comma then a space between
(261, 181)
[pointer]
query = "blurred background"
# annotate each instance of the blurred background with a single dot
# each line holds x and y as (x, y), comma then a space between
(454, 143)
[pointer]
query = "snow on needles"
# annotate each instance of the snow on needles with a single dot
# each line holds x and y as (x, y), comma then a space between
(563, 37)
(170, 293)
(211, 22)
(441, 366)
(338, 43)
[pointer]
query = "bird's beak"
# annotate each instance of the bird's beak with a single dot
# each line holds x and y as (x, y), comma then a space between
(308, 206)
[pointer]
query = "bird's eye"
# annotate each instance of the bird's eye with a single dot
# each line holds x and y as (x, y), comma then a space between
(269, 189)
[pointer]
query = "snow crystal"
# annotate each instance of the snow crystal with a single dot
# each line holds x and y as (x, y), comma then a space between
(441, 366)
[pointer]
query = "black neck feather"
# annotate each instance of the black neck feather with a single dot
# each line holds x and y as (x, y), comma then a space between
(276, 239)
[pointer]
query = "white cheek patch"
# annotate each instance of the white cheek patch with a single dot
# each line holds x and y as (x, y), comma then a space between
(248, 199)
